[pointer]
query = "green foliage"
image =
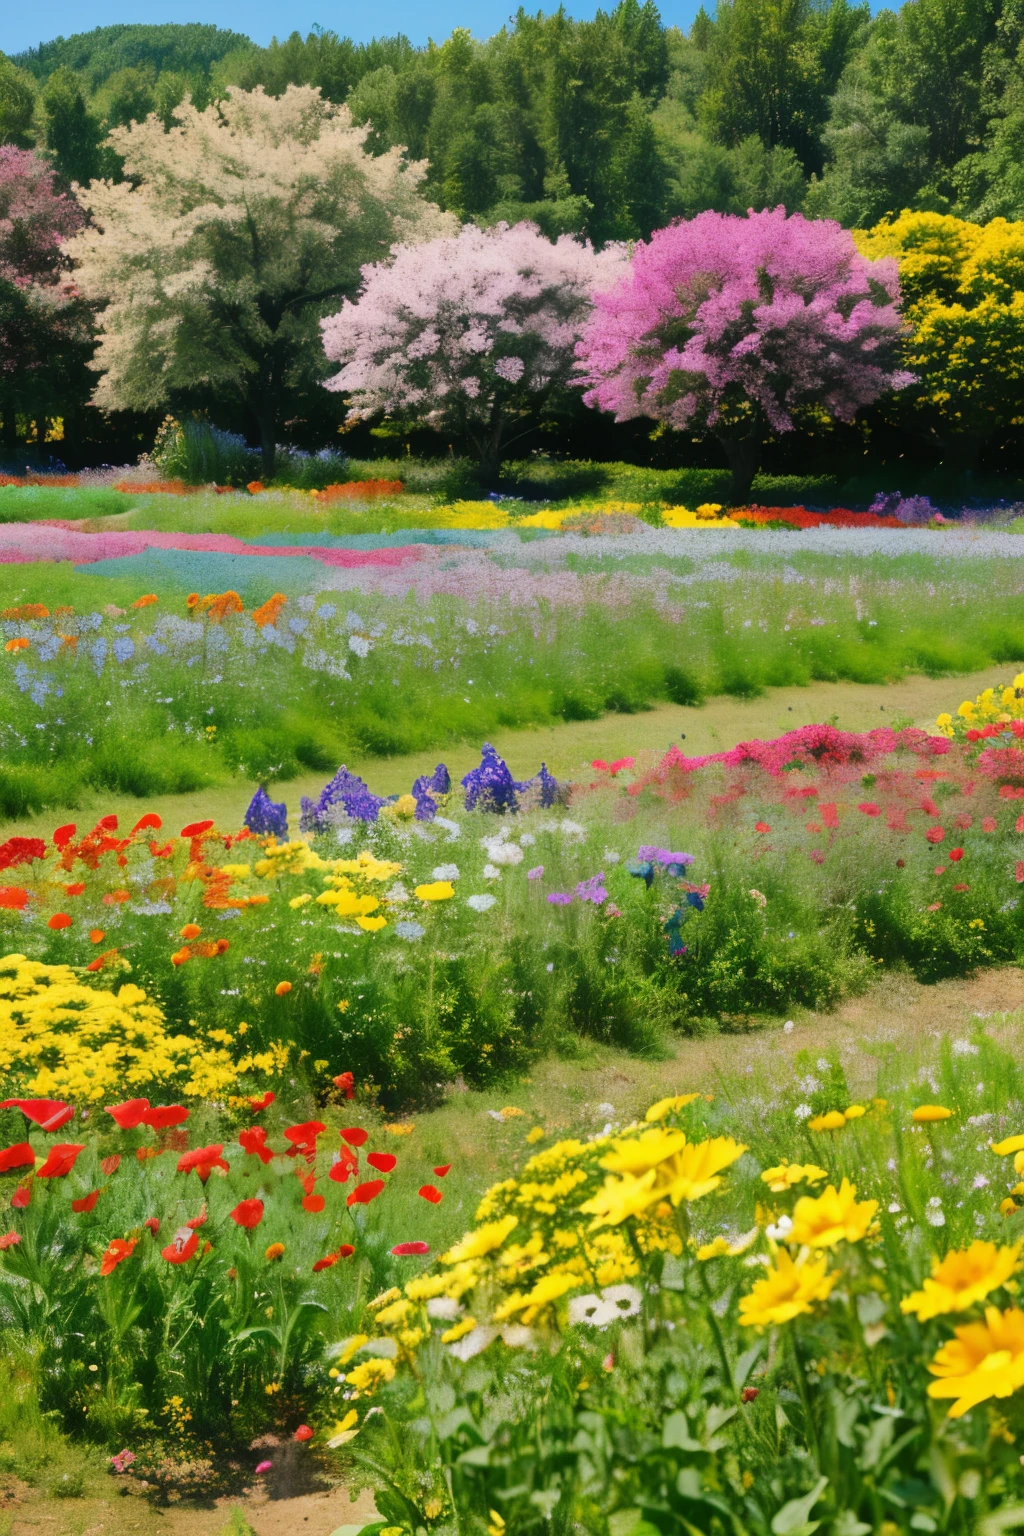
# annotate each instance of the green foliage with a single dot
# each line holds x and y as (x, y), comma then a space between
(101, 53)
(17, 105)
(72, 134)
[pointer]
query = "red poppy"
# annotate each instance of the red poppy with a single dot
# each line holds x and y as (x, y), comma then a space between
(142, 1153)
(117, 1250)
(254, 1141)
(107, 824)
(59, 920)
(750, 1394)
(303, 1433)
(19, 1156)
(346, 1083)
(152, 1224)
(304, 1135)
(49, 1114)
(364, 1193)
(339, 1171)
(9, 1240)
(86, 1203)
(989, 824)
(129, 1114)
(257, 1104)
(63, 836)
(196, 828)
(182, 1246)
(203, 1160)
(115, 898)
(313, 1203)
(761, 826)
(77, 889)
(444, 1168)
(248, 1214)
(151, 819)
(60, 1160)
(404, 1250)
(432, 1193)
(197, 1221)
(955, 855)
(382, 1161)
(96, 935)
(355, 1135)
(869, 808)
(109, 1165)
(13, 898)
(344, 1252)
(935, 834)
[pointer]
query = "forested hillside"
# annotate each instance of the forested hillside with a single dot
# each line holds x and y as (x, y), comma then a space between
(612, 126)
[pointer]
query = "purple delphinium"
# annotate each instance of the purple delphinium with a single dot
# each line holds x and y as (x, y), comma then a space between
(593, 889)
(560, 898)
(541, 789)
(266, 817)
(346, 792)
(427, 789)
(663, 855)
(490, 787)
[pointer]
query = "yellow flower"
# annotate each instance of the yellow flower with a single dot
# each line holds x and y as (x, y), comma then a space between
(637, 1154)
(510, 1112)
(352, 1347)
(371, 1375)
(497, 1525)
(372, 924)
(344, 1430)
(437, 890)
(984, 1360)
(927, 1114)
(787, 1174)
(721, 1247)
(836, 1216)
(1008, 1207)
(483, 1241)
(618, 1199)
(458, 1330)
(1011, 1144)
(399, 1129)
(963, 1277)
(396, 1312)
(670, 1106)
(854, 1112)
(537, 1134)
(547, 1289)
(834, 1120)
(787, 1290)
(693, 1172)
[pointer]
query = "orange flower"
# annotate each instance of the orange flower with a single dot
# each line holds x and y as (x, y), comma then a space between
(192, 600)
(275, 1251)
(69, 642)
(96, 935)
(16, 645)
(181, 955)
(191, 931)
(254, 487)
(282, 989)
(145, 600)
(269, 611)
(59, 920)
(117, 1250)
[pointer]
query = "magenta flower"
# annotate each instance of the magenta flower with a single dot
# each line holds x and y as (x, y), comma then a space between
(535, 873)
(559, 898)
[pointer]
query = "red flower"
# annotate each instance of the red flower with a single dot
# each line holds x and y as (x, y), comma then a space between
(1019, 872)
(870, 808)
(750, 1393)
(313, 1203)
(305, 1135)
(382, 1161)
(197, 1221)
(86, 1203)
(432, 1193)
(341, 1167)
(162, 1116)
(59, 920)
(257, 1104)
(1018, 825)
(129, 1114)
(63, 836)
(182, 1246)
(13, 898)
(152, 1224)
(117, 1250)
(935, 834)
(18, 1156)
(151, 819)
(303, 1433)
(364, 1193)
(109, 1165)
(444, 1168)
(9, 1240)
(989, 824)
(346, 1083)
(254, 1141)
(355, 1135)
(21, 1197)
(248, 1214)
(829, 814)
(961, 886)
(49, 1114)
(330, 1259)
(402, 1250)
(955, 855)
(929, 807)
(74, 890)
(203, 1160)
(21, 850)
(761, 826)
(60, 1160)
(196, 828)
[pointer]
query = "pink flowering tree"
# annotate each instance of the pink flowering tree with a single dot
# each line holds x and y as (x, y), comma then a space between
(741, 326)
(472, 334)
(43, 325)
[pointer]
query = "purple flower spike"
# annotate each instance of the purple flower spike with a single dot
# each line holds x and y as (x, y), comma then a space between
(535, 873)
(560, 898)
(346, 794)
(593, 889)
(266, 817)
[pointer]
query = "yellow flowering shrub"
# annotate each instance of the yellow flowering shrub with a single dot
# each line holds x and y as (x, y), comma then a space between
(63, 1039)
(993, 706)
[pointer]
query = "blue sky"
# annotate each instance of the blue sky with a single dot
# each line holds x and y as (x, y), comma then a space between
(23, 26)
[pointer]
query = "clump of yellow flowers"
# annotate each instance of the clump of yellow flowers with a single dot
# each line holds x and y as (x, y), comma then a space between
(993, 706)
(63, 1039)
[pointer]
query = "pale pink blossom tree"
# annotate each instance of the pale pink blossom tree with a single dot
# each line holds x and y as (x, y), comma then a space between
(471, 334)
(741, 326)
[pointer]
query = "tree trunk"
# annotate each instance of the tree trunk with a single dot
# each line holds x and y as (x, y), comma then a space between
(743, 455)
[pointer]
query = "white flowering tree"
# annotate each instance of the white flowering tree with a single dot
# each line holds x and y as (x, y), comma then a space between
(231, 237)
(470, 334)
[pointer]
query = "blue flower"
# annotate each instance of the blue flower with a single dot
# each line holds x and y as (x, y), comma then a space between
(490, 787)
(427, 789)
(124, 648)
(98, 652)
(266, 817)
(346, 793)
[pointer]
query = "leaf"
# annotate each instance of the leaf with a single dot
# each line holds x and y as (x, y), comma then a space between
(689, 1484)
(745, 1364)
(624, 1521)
(476, 1456)
(847, 1524)
(675, 1433)
(795, 1515)
(1002, 1520)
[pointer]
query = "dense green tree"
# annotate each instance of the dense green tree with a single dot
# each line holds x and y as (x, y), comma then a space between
(191, 49)
(17, 105)
(73, 135)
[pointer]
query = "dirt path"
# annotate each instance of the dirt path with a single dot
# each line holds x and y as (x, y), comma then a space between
(570, 746)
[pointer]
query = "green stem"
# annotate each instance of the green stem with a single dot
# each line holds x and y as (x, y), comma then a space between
(805, 1400)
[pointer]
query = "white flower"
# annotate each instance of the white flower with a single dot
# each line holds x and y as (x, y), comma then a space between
(481, 903)
(451, 827)
(445, 1307)
(445, 872)
(572, 830)
(788, 1027)
(473, 1343)
(527, 839)
(964, 1048)
(612, 855)
(625, 1299)
(780, 1230)
(492, 872)
(516, 1336)
(397, 894)
(593, 1310)
(359, 645)
(506, 853)
(980, 1181)
(894, 1209)
(803, 1112)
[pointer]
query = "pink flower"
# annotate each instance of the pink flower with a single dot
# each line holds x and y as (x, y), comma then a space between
(263, 1466)
(935, 834)
(535, 873)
